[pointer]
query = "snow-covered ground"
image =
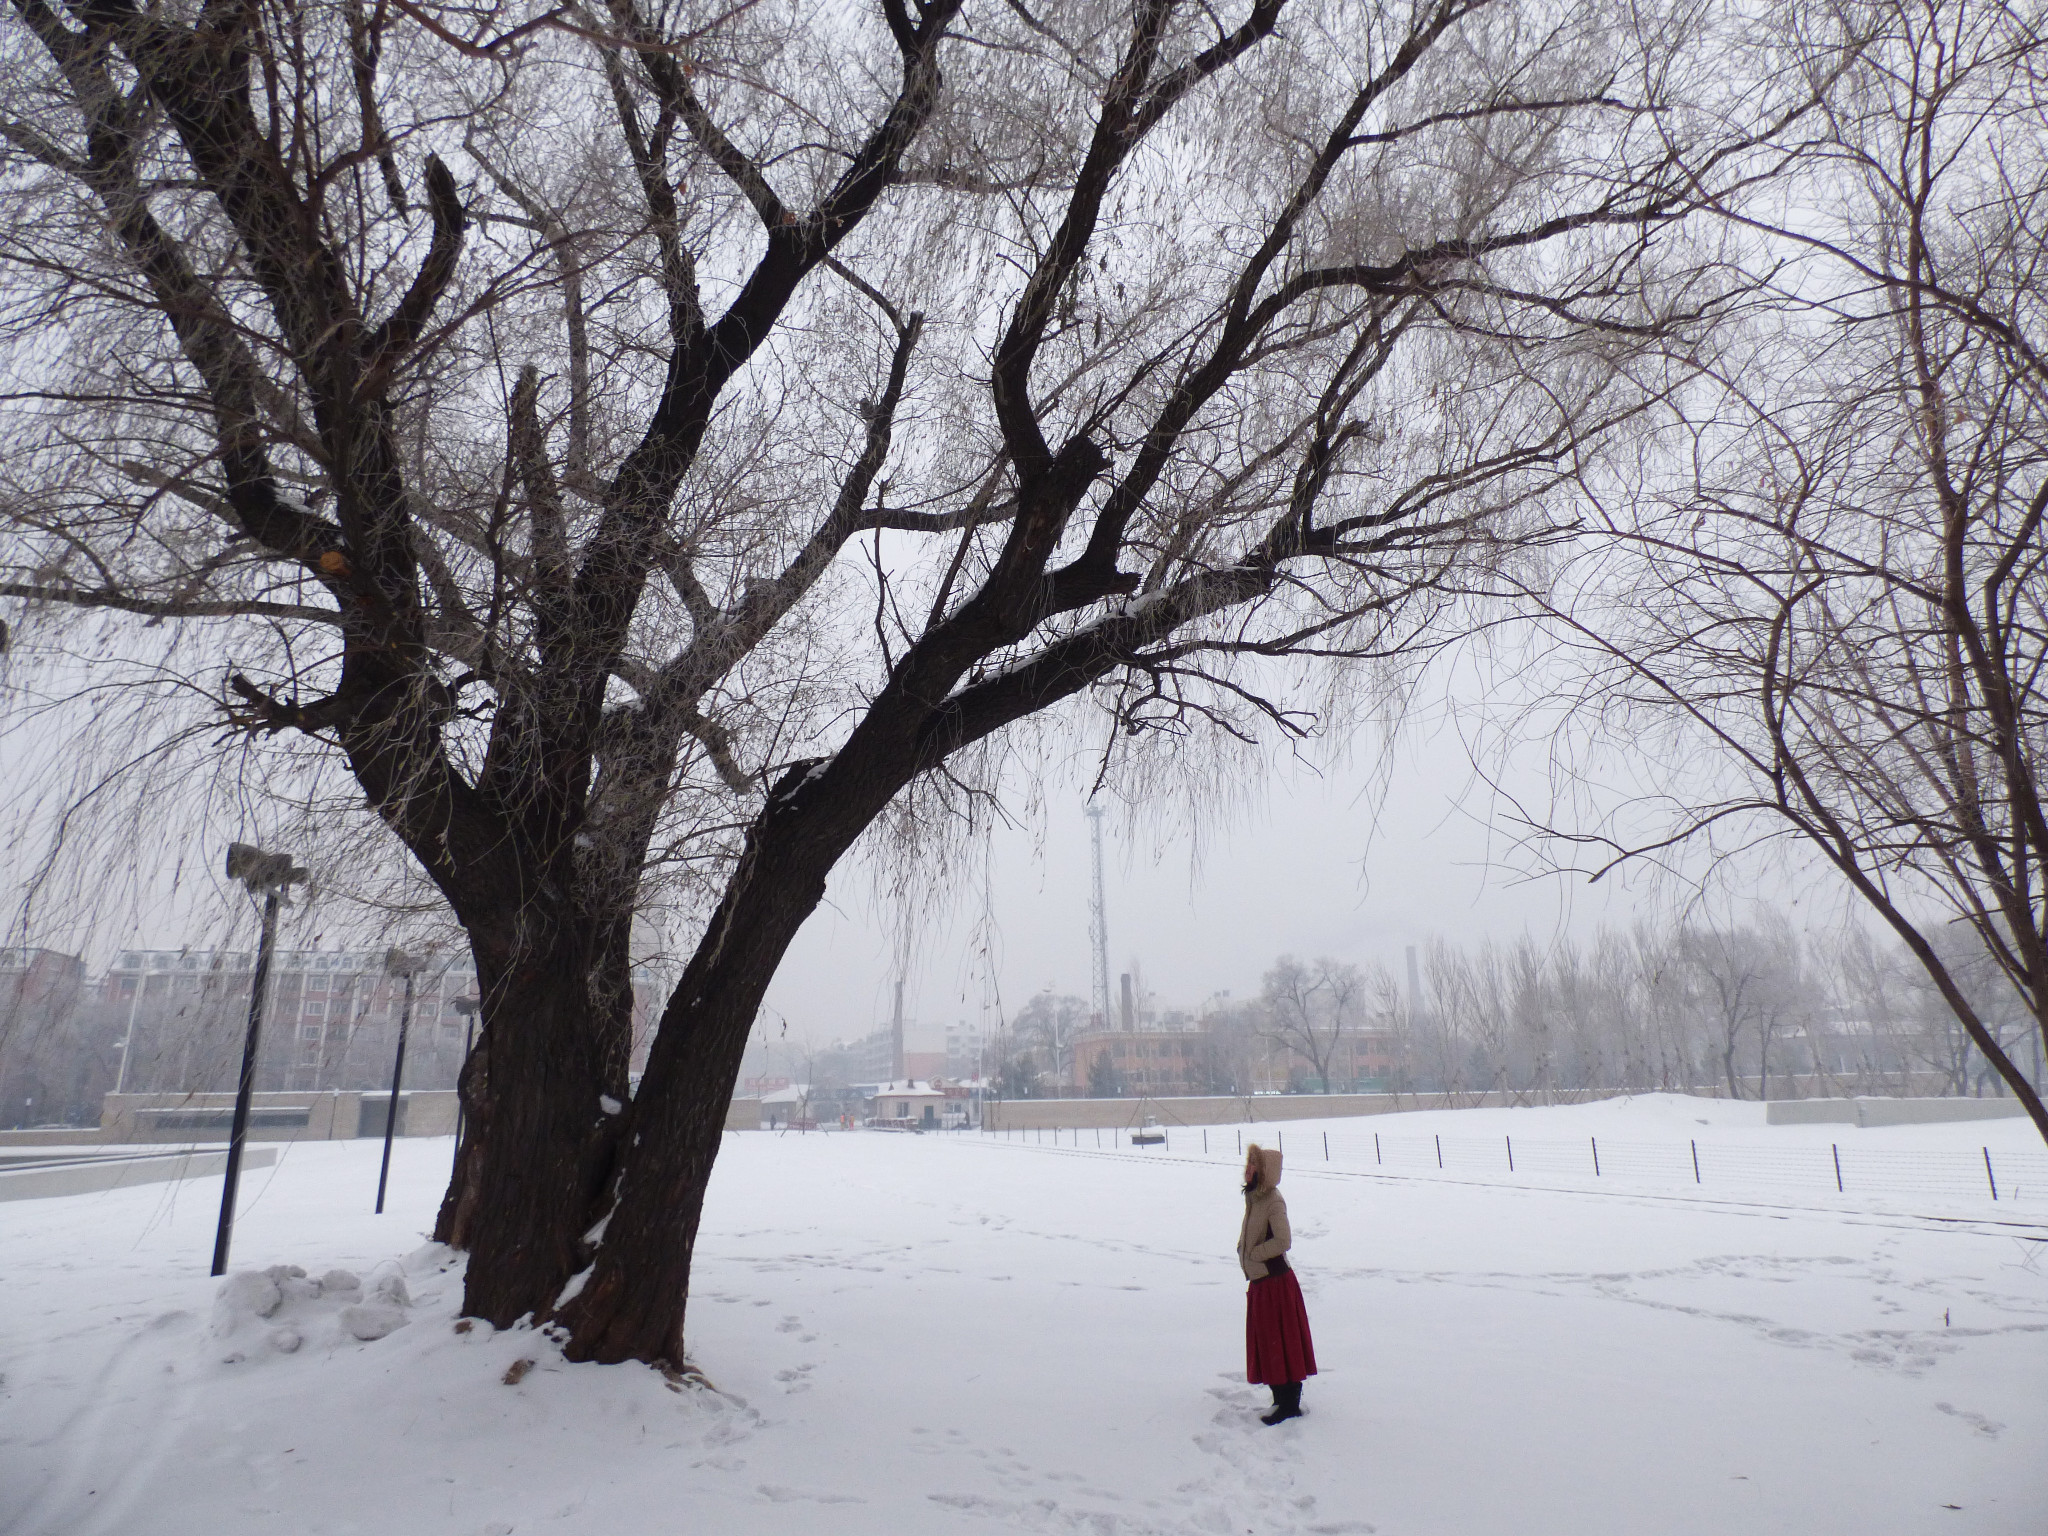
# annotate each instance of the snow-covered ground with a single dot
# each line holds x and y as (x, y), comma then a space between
(926, 1334)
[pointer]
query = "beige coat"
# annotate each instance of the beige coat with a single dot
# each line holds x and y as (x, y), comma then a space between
(1265, 1233)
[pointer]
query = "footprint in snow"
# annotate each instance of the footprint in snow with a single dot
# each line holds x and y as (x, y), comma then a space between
(1986, 1427)
(774, 1493)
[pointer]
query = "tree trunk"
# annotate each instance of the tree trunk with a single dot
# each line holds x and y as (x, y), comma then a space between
(633, 1303)
(538, 1146)
(1728, 1067)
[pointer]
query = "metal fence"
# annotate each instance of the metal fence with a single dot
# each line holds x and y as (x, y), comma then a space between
(1961, 1175)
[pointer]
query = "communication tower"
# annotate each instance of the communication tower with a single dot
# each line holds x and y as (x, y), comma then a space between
(1098, 926)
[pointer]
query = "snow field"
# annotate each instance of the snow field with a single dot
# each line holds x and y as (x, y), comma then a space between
(952, 1334)
(1669, 1144)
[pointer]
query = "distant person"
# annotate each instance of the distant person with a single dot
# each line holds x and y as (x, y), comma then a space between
(1278, 1351)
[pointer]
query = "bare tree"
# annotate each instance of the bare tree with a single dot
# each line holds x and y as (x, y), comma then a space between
(1848, 594)
(1046, 1025)
(1745, 983)
(627, 442)
(1668, 1008)
(1475, 1012)
(1910, 1027)
(1308, 1008)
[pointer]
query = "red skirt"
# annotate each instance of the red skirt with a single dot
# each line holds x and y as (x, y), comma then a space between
(1277, 1347)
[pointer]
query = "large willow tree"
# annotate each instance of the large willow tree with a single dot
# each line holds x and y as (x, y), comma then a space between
(638, 440)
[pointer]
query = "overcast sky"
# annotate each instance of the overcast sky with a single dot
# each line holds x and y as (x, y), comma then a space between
(1320, 864)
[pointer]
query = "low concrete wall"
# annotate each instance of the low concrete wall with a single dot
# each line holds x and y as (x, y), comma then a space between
(92, 1172)
(1888, 1111)
(331, 1116)
(1810, 1112)
(429, 1114)
(1086, 1114)
(54, 1136)
(1934, 1111)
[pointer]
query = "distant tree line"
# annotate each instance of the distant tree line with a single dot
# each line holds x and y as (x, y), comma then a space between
(1748, 1010)
(1751, 1010)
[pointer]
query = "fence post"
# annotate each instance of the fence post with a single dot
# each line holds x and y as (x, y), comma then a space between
(1205, 1141)
(1326, 1146)
(1439, 1151)
(1511, 1154)
(1376, 1147)
(1596, 1155)
(1280, 1142)
(1989, 1174)
(1838, 1166)
(1240, 1143)
(1695, 1161)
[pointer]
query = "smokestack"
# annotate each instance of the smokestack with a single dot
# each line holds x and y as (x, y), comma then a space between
(1130, 1009)
(1414, 988)
(896, 1038)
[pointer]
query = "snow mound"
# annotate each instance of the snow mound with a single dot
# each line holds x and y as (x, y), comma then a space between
(276, 1310)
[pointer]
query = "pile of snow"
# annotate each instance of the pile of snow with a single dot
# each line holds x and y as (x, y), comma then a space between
(281, 1307)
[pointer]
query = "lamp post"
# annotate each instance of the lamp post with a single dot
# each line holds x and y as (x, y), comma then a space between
(396, 963)
(265, 875)
(466, 1006)
(128, 1040)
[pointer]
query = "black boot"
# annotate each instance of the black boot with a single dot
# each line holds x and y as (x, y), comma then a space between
(1286, 1404)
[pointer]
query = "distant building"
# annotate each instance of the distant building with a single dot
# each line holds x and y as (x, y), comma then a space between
(331, 1020)
(917, 1105)
(872, 1059)
(1220, 1056)
(174, 1021)
(786, 1104)
(1156, 1062)
(54, 1065)
(966, 1051)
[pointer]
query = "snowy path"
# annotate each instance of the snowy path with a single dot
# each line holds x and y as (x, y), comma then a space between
(926, 1334)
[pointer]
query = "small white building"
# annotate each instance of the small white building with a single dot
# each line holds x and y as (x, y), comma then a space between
(913, 1105)
(788, 1105)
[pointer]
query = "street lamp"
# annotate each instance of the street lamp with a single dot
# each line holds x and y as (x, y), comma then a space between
(265, 875)
(128, 1040)
(397, 963)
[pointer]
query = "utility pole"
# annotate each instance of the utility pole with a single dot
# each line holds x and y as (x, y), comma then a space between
(896, 1037)
(128, 1040)
(1098, 925)
(265, 875)
(396, 963)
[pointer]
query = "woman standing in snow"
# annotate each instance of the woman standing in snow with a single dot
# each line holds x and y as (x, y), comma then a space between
(1278, 1350)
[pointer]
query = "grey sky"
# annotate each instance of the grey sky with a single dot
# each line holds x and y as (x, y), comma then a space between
(1320, 864)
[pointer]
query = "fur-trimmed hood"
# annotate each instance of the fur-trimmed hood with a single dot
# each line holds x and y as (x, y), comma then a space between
(1264, 1235)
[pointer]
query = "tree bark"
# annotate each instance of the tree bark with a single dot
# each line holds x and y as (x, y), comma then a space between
(633, 1303)
(539, 1145)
